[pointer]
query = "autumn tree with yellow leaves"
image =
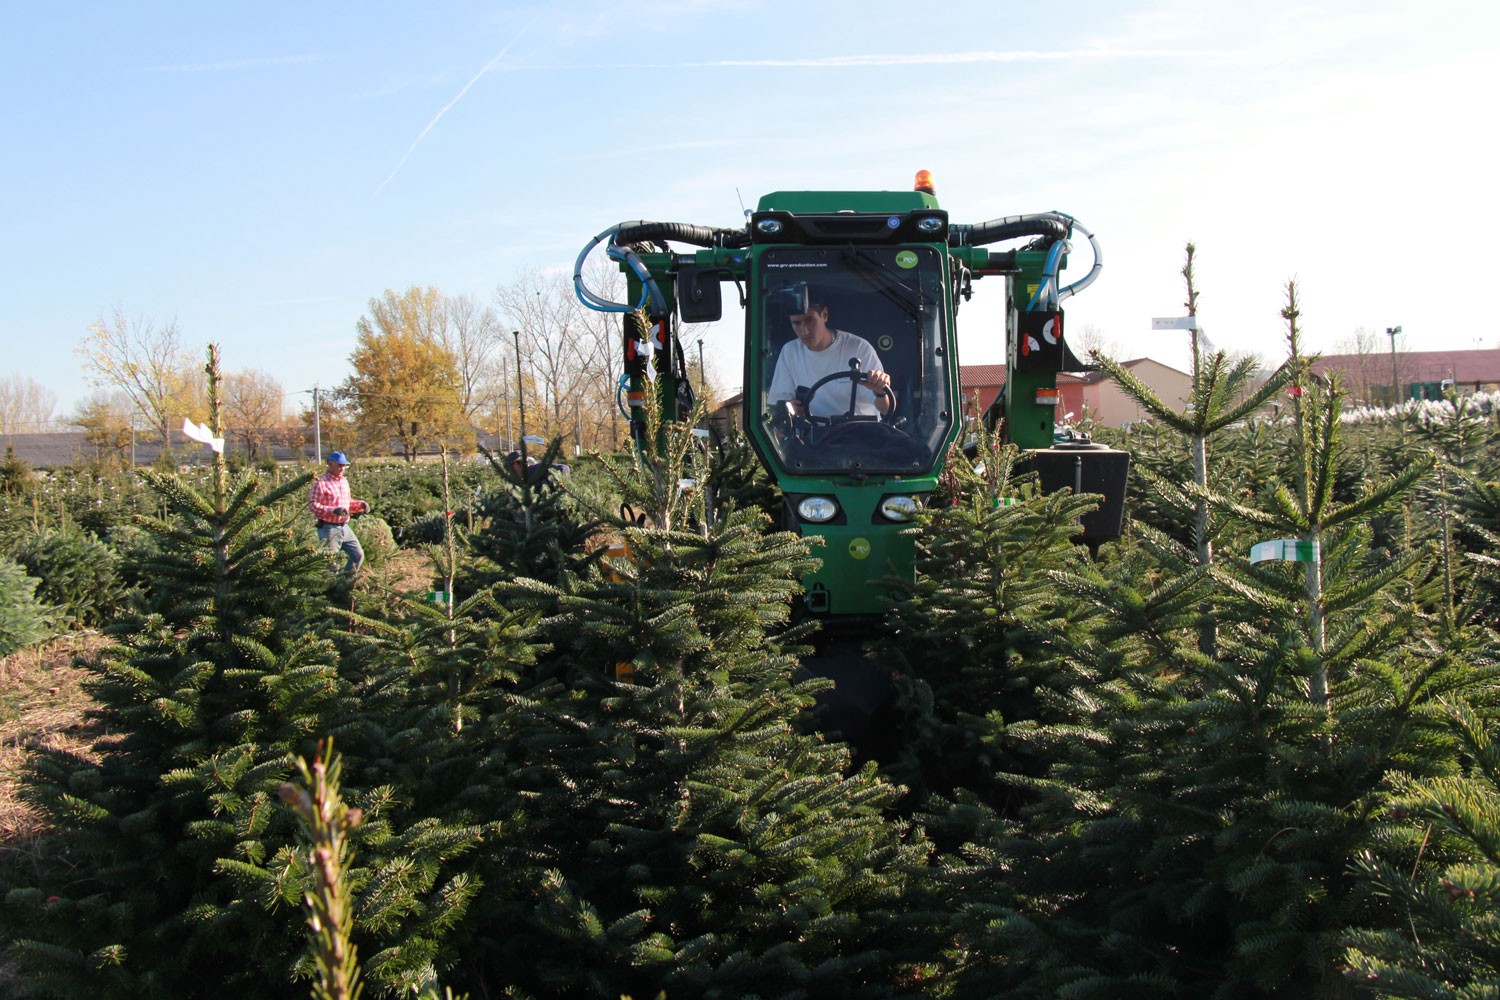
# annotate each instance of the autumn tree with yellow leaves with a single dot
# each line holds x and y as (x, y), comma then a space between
(406, 384)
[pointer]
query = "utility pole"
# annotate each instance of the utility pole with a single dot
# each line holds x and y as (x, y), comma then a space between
(614, 406)
(520, 393)
(317, 425)
(510, 440)
(1392, 331)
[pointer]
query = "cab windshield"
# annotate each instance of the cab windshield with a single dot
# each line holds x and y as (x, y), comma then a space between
(853, 374)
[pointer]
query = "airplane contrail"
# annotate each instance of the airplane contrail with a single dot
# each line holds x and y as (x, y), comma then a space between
(950, 58)
(457, 97)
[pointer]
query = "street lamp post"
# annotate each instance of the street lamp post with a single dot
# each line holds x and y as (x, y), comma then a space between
(1392, 331)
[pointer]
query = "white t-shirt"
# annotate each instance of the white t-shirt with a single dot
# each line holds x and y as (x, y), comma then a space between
(798, 365)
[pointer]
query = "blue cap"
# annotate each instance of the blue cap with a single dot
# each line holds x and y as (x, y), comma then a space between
(338, 457)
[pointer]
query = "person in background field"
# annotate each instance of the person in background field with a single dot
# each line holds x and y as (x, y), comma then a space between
(332, 505)
(533, 472)
(517, 465)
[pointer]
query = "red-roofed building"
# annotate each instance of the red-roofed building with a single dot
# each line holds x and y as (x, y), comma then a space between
(1367, 377)
(1090, 394)
(1107, 403)
(980, 385)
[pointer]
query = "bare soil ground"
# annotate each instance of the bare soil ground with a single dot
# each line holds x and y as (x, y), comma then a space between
(42, 701)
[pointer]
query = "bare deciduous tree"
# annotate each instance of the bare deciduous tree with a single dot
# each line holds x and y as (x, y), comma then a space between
(542, 306)
(26, 406)
(147, 363)
(472, 335)
(600, 358)
(1372, 364)
(1090, 338)
(252, 409)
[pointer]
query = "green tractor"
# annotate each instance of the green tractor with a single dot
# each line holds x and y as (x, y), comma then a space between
(852, 397)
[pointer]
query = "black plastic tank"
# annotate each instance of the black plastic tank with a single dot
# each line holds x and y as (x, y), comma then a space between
(1085, 467)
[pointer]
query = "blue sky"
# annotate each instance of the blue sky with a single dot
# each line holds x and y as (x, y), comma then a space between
(258, 173)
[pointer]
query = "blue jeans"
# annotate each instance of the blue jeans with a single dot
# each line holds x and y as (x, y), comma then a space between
(340, 538)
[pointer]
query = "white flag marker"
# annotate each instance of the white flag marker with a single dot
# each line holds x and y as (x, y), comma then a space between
(201, 434)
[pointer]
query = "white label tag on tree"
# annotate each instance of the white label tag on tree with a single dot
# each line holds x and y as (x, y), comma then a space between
(1286, 550)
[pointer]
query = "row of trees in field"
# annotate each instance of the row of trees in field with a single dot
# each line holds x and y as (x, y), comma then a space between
(597, 770)
(428, 369)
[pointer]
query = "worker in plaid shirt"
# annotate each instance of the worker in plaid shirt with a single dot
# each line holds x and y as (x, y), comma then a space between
(332, 505)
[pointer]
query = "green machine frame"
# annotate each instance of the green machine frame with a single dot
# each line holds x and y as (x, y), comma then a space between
(899, 250)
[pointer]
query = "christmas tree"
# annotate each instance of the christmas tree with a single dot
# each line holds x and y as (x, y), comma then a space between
(204, 694)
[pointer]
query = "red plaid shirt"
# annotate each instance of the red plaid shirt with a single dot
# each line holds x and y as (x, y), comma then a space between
(329, 494)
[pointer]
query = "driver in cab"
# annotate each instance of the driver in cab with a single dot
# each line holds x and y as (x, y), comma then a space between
(820, 351)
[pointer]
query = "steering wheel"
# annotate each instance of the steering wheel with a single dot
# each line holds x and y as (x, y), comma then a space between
(852, 375)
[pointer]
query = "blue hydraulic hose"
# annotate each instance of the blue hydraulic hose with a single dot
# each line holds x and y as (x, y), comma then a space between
(650, 291)
(1046, 293)
(594, 302)
(622, 387)
(1087, 279)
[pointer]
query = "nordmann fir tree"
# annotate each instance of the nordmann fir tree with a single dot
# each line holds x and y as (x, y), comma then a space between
(1476, 510)
(685, 832)
(529, 526)
(1309, 508)
(981, 638)
(327, 822)
(204, 695)
(431, 685)
(1442, 943)
(1205, 811)
(1448, 945)
(1223, 392)
(975, 632)
(427, 687)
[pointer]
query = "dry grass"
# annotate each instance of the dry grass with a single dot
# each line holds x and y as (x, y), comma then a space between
(41, 704)
(407, 572)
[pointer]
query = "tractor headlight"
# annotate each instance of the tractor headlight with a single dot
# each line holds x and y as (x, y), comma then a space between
(929, 224)
(768, 227)
(818, 510)
(898, 508)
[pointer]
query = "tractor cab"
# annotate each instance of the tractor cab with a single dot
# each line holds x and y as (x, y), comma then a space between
(848, 361)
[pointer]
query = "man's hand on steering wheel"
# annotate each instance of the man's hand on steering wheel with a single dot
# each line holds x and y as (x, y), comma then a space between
(880, 384)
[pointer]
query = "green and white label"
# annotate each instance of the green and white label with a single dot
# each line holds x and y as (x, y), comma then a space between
(1286, 550)
(906, 259)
